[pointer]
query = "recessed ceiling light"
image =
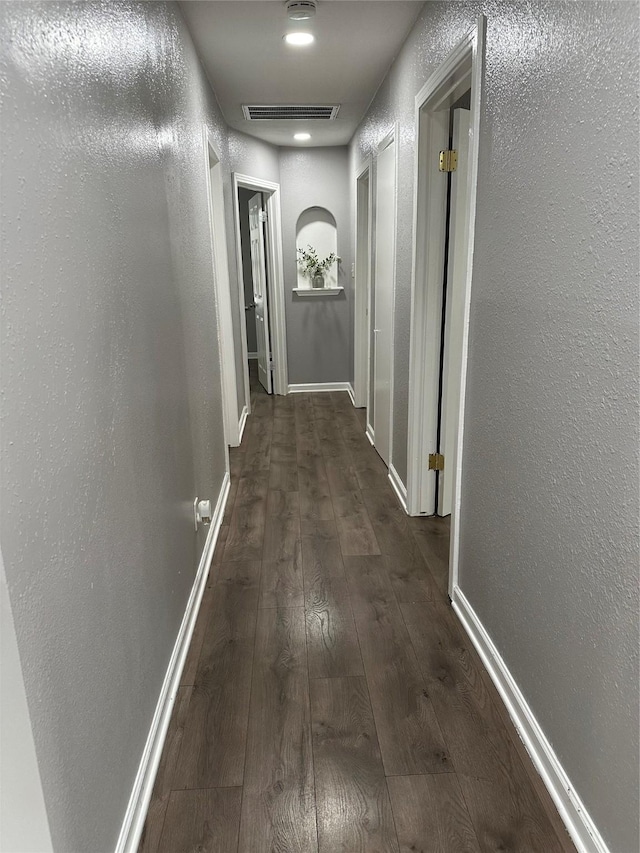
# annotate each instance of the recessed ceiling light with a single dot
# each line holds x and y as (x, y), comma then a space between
(299, 39)
(302, 137)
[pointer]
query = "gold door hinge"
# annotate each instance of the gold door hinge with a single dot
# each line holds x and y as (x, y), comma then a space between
(436, 462)
(448, 161)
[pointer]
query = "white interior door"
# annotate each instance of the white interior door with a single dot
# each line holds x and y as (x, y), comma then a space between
(259, 275)
(454, 312)
(384, 280)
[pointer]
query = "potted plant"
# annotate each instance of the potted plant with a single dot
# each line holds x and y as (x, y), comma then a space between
(313, 267)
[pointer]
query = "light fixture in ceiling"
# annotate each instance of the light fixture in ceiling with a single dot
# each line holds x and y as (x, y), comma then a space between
(300, 10)
(299, 39)
(302, 137)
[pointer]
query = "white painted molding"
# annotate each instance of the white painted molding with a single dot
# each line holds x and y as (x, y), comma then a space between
(316, 291)
(312, 387)
(398, 487)
(136, 813)
(352, 395)
(370, 435)
(581, 827)
(363, 243)
(242, 423)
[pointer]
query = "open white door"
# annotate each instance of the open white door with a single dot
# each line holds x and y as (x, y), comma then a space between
(259, 275)
(384, 278)
(454, 310)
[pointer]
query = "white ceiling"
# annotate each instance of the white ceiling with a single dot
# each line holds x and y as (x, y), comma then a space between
(241, 46)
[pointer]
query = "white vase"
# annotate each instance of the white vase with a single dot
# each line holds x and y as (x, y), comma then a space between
(318, 280)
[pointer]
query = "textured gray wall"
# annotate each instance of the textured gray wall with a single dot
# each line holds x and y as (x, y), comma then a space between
(250, 316)
(549, 561)
(111, 412)
(319, 329)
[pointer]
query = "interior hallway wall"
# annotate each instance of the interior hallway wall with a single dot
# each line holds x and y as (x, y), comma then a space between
(549, 545)
(111, 405)
(319, 329)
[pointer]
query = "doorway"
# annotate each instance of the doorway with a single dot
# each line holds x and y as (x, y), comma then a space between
(261, 278)
(448, 124)
(384, 264)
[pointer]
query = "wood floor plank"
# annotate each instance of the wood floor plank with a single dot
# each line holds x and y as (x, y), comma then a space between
(321, 559)
(246, 526)
(203, 821)
(354, 812)
(188, 676)
(278, 809)
(282, 582)
(410, 738)
(431, 815)
(282, 526)
(354, 528)
(150, 839)
(283, 476)
(213, 744)
(341, 476)
(332, 641)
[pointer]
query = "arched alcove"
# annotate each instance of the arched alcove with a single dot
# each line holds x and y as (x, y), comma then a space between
(316, 227)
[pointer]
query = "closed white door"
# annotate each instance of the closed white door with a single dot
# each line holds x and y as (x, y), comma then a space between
(454, 310)
(384, 282)
(259, 276)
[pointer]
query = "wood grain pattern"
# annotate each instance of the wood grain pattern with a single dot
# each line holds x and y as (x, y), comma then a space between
(282, 526)
(354, 528)
(354, 812)
(431, 815)
(278, 809)
(410, 737)
(282, 584)
(214, 739)
(202, 821)
(188, 676)
(332, 642)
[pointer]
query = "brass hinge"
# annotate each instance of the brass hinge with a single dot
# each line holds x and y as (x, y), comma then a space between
(448, 161)
(436, 462)
(262, 216)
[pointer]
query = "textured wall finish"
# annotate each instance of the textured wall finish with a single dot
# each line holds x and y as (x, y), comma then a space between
(111, 414)
(319, 329)
(549, 544)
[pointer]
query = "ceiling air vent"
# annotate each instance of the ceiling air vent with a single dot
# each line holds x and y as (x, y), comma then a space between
(289, 112)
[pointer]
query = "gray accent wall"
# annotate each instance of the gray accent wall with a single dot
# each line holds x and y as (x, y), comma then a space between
(319, 329)
(111, 398)
(549, 530)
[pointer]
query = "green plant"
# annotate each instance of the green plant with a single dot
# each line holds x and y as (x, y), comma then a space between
(311, 264)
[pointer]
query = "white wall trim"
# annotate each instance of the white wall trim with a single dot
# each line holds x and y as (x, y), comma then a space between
(136, 812)
(312, 387)
(370, 435)
(362, 287)
(352, 396)
(398, 487)
(222, 287)
(275, 279)
(581, 827)
(242, 423)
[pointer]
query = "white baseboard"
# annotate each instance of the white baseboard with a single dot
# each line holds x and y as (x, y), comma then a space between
(136, 813)
(398, 487)
(369, 433)
(242, 423)
(581, 827)
(352, 395)
(312, 387)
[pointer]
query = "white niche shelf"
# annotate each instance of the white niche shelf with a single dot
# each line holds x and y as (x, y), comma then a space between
(316, 291)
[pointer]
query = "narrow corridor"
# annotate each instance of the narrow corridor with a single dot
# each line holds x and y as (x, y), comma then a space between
(330, 700)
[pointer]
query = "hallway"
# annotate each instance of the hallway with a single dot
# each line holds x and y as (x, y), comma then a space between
(330, 700)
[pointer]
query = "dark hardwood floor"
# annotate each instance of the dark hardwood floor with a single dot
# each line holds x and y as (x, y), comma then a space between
(330, 702)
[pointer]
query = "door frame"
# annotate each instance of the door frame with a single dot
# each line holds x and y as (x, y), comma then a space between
(391, 137)
(464, 63)
(275, 281)
(222, 290)
(362, 295)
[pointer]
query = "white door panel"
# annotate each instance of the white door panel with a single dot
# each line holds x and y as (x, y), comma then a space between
(454, 314)
(384, 281)
(259, 276)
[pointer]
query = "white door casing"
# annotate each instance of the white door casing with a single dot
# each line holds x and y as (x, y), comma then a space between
(384, 286)
(259, 278)
(362, 336)
(454, 310)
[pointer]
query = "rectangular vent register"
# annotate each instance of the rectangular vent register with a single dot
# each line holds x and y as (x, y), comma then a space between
(290, 112)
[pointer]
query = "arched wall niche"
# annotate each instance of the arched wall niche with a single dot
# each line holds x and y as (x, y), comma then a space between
(316, 227)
